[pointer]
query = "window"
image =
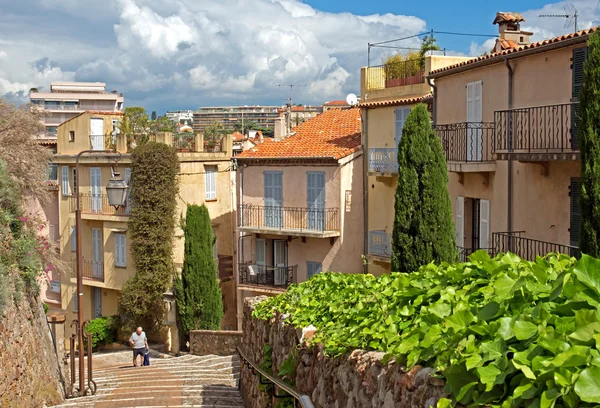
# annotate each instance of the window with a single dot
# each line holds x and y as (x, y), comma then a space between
(401, 115)
(474, 115)
(66, 191)
(74, 179)
(210, 182)
(71, 135)
(51, 130)
(73, 239)
(53, 172)
(75, 300)
(312, 268)
(121, 250)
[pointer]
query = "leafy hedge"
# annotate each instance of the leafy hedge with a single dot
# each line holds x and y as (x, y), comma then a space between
(103, 330)
(503, 332)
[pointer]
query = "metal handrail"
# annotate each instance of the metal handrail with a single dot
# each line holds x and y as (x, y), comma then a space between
(303, 399)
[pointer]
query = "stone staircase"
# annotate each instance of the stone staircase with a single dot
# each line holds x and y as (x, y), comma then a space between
(186, 381)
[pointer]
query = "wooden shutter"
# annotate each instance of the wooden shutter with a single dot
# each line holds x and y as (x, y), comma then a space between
(401, 114)
(312, 268)
(460, 222)
(471, 102)
(66, 191)
(75, 300)
(484, 224)
(121, 250)
(261, 252)
(73, 239)
(579, 57)
(128, 181)
(478, 100)
(575, 225)
(210, 182)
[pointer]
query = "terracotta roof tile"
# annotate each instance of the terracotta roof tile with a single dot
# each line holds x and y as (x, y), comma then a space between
(237, 136)
(394, 102)
(333, 134)
(495, 55)
(508, 17)
(336, 103)
(506, 44)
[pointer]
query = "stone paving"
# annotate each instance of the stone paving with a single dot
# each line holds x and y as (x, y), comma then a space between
(187, 381)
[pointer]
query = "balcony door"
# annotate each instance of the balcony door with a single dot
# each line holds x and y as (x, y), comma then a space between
(273, 199)
(97, 133)
(315, 181)
(474, 135)
(280, 262)
(472, 225)
(97, 271)
(97, 300)
(96, 189)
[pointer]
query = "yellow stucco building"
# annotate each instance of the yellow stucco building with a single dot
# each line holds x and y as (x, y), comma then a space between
(205, 178)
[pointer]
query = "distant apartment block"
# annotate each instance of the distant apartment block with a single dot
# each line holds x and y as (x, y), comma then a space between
(181, 116)
(68, 99)
(232, 116)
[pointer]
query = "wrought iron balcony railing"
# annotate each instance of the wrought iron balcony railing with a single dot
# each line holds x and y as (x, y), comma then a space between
(289, 218)
(467, 141)
(380, 244)
(395, 73)
(383, 160)
(97, 204)
(528, 248)
(264, 275)
(92, 270)
(538, 129)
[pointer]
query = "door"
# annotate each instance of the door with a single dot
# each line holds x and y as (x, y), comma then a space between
(484, 224)
(273, 199)
(316, 200)
(127, 180)
(261, 260)
(97, 269)
(97, 300)
(96, 189)
(280, 262)
(97, 133)
(474, 142)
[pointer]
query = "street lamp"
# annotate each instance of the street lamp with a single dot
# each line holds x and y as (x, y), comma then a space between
(116, 190)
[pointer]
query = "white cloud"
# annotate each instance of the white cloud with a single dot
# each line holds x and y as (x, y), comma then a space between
(476, 49)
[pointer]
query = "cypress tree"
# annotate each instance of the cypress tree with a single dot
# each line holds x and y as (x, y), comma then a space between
(589, 136)
(202, 306)
(423, 224)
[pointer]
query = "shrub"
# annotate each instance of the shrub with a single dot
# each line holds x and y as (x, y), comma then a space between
(423, 224)
(402, 66)
(103, 331)
(502, 332)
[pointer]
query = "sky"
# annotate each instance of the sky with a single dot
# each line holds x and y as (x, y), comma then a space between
(183, 54)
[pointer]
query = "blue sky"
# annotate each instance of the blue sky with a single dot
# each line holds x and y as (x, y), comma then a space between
(182, 54)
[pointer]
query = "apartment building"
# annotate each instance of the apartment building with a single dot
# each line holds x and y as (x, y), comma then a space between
(205, 178)
(181, 116)
(388, 96)
(232, 116)
(68, 99)
(508, 125)
(300, 205)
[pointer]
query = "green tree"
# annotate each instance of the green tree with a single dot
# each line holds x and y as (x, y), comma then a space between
(423, 225)
(154, 188)
(134, 125)
(153, 117)
(589, 136)
(429, 43)
(162, 124)
(213, 133)
(200, 304)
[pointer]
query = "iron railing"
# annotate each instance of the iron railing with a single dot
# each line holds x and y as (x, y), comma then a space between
(467, 141)
(396, 73)
(267, 378)
(464, 253)
(538, 129)
(289, 218)
(383, 160)
(380, 244)
(92, 270)
(97, 204)
(528, 248)
(263, 275)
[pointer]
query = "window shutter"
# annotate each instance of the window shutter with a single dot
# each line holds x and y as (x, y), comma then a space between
(401, 115)
(471, 102)
(120, 250)
(478, 98)
(261, 258)
(312, 268)
(66, 191)
(73, 239)
(575, 211)
(210, 181)
(484, 224)
(75, 300)
(579, 57)
(460, 223)
(127, 181)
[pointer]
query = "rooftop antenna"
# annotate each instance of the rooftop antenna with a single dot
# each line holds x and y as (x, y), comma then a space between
(571, 14)
(291, 88)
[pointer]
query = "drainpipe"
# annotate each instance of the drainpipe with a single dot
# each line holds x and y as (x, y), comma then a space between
(366, 191)
(509, 226)
(434, 106)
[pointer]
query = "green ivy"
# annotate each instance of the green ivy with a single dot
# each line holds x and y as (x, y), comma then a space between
(502, 332)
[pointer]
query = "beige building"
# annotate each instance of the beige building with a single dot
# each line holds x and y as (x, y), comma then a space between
(508, 125)
(386, 102)
(68, 99)
(300, 205)
(232, 116)
(205, 178)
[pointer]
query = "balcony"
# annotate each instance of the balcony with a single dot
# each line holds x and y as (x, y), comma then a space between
(393, 74)
(383, 161)
(528, 248)
(273, 277)
(539, 133)
(380, 245)
(97, 205)
(467, 146)
(92, 270)
(289, 221)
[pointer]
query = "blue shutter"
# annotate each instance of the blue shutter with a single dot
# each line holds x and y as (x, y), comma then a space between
(273, 199)
(315, 182)
(66, 191)
(312, 268)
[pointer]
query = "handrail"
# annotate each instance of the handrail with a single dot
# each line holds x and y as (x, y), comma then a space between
(303, 399)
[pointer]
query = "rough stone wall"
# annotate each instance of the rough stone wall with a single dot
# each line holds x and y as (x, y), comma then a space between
(357, 379)
(221, 343)
(30, 371)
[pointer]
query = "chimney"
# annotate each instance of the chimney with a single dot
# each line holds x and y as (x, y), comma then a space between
(509, 31)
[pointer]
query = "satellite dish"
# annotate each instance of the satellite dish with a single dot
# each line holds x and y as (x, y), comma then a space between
(351, 99)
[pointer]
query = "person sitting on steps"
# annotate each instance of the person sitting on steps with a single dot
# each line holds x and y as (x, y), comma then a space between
(139, 342)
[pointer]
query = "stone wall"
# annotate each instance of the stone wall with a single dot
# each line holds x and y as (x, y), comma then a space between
(357, 379)
(221, 343)
(29, 365)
